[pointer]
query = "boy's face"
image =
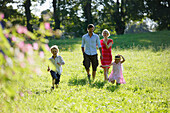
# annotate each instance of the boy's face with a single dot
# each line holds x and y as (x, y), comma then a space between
(54, 51)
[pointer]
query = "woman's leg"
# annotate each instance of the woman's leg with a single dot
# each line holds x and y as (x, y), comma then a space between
(105, 74)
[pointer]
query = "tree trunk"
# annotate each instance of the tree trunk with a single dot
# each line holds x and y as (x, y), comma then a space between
(119, 17)
(56, 14)
(27, 6)
(87, 12)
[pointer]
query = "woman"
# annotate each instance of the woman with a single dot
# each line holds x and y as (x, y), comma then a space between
(106, 44)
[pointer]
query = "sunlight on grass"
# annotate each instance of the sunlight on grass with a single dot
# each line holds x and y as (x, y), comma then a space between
(146, 90)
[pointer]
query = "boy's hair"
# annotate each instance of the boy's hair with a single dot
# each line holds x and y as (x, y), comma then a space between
(105, 30)
(54, 47)
(90, 26)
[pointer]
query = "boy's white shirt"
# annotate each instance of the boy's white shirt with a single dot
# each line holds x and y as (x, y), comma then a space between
(58, 68)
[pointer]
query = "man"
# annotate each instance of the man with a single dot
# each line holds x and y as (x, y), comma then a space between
(90, 40)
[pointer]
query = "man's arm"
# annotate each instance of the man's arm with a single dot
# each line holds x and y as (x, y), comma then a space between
(100, 47)
(82, 49)
(82, 46)
(101, 56)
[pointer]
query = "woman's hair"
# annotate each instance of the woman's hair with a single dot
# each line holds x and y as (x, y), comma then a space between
(105, 30)
(54, 47)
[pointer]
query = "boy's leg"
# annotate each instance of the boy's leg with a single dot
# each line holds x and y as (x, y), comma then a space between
(57, 80)
(53, 80)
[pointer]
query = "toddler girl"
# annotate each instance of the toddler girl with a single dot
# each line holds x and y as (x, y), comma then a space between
(117, 69)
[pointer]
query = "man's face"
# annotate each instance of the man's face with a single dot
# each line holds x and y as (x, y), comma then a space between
(91, 29)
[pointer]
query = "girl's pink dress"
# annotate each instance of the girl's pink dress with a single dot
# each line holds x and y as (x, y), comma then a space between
(117, 74)
(107, 55)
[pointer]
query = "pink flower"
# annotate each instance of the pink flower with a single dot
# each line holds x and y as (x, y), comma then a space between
(47, 47)
(21, 44)
(30, 60)
(20, 56)
(21, 94)
(2, 16)
(47, 25)
(21, 29)
(41, 54)
(38, 71)
(35, 46)
(28, 48)
(22, 65)
(25, 30)
(13, 38)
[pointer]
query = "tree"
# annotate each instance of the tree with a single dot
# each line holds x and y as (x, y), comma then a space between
(86, 5)
(158, 10)
(27, 5)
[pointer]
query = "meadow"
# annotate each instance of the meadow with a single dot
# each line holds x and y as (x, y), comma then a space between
(146, 72)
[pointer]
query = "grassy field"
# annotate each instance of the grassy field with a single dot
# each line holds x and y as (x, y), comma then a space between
(146, 71)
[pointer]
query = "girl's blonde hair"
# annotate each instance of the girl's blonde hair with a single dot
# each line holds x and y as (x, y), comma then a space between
(105, 30)
(54, 47)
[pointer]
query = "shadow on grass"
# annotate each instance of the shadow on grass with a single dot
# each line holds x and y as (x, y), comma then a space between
(76, 81)
(98, 84)
(112, 88)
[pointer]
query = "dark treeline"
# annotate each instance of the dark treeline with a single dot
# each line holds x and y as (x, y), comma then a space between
(111, 14)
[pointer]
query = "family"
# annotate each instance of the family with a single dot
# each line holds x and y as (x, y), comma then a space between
(90, 56)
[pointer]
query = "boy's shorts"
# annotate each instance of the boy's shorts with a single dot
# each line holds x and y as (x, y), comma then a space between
(90, 58)
(55, 76)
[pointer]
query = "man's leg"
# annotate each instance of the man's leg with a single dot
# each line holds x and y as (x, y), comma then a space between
(94, 74)
(95, 63)
(86, 63)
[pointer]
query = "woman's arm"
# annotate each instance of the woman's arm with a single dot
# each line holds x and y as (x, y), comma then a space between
(109, 45)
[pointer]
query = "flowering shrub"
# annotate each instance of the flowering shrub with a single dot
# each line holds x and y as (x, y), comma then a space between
(20, 50)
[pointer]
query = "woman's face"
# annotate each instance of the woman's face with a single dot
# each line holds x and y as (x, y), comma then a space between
(105, 34)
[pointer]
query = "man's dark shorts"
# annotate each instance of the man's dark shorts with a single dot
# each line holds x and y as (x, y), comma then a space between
(55, 76)
(90, 58)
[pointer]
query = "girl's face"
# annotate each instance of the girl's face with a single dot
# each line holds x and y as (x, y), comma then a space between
(54, 51)
(105, 34)
(117, 60)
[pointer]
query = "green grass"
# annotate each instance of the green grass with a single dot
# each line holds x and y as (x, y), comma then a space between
(146, 71)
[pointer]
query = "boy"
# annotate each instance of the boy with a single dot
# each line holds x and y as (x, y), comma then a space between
(57, 61)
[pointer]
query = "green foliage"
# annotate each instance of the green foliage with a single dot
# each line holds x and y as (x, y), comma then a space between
(19, 51)
(146, 71)
(158, 10)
